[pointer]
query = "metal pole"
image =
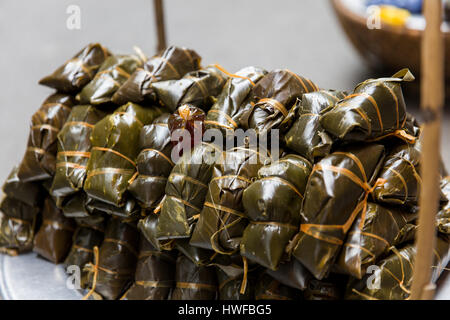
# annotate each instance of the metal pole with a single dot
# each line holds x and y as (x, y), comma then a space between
(160, 27)
(432, 100)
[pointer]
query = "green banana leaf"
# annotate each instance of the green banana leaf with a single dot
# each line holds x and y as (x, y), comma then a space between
(271, 99)
(230, 286)
(74, 74)
(332, 288)
(194, 282)
(306, 136)
(273, 204)
(443, 216)
(39, 160)
(186, 191)
(392, 277)
(382, 228)
(113, 73)
(198, 88)
(76, 205)
(336, 192)
(153, 163)
(130, 210)
(117, 260)
(222, 221)
(292, 274)
(74, 146)
(401, 171)
(173, 64)
(27, 192)
(115, 146)
(54, 238)
(155, 274)
(227, 110)
(18, 224)
(267, 288)
(375, 109)
(82, 251)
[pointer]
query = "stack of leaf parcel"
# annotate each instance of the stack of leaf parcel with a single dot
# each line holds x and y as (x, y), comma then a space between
(155, 178)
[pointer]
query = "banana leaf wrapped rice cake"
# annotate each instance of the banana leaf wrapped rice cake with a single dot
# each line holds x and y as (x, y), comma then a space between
(337, 191)
(73, 75)
(272, 98)
(173, 64)
(273, 204)
(155, 274)
(54, 238)
(227, 110)
(222, 220)
(198, 88)
(115, 146)
(114, 71)
(114, 264)
(306, 136)
(39, 160)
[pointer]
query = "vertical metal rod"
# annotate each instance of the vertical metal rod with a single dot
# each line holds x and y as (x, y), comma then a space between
(432, 100)
(160, 27)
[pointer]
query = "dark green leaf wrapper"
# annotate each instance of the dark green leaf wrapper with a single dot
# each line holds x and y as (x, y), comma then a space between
(39, 160)
(374, 110)
(153, 163)
(26, 192)
(115, 146)
(74, 146)
(292, 274)
(272, 98)
(117, 260)
(113, 73)
(333, 198)
(222, 220)
(81, 253)
(174, 63)
(194, 282)
(197, 88)
(267, 288)
(224, 115)
(306, 135)
(73, 75)
(54, 238)
(273, 204)
(230, 287)
(155, 274)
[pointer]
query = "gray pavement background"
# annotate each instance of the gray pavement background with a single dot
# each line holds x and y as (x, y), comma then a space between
(303, 36)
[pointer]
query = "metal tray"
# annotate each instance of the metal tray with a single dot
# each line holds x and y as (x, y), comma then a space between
(28, 277)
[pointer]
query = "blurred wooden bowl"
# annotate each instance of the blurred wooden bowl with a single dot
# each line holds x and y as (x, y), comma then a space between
(389, 47)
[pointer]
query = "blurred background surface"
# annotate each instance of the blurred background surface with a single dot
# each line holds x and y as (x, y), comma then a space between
(303, 36)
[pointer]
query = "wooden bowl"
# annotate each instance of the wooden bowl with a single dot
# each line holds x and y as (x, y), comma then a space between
(389, 47)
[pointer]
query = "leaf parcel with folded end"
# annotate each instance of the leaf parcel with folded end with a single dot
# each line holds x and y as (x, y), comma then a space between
(382, 228)
(114, 71)
(115, 146)
(155, 274)
(115, 262)
(306, 135)
(273, 204)
(26, 192)
(272, 98)
(82, 251)
(194, 282)
(74, 150)
(337, 191)
(227, 110)
(153, 163)
(394, 274)
(17, 225)
(222, 220)
(54, 238)
(376, 109)
(173, 64)
(230, 287)
(73, 75)
(39, 160)
(197, 88)
(186, 191)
